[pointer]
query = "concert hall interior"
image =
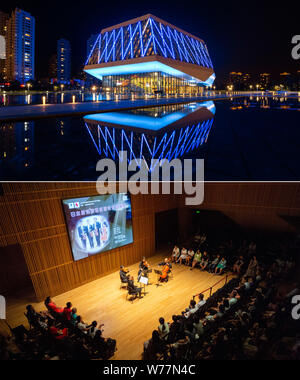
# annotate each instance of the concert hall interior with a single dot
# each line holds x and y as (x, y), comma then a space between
(45, 252)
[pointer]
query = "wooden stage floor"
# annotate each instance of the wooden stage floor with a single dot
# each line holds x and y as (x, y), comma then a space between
(129, 323)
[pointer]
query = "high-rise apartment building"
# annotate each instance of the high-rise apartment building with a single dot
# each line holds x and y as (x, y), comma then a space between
(20, 46)
(52, 70)
(3, 27)
(264, 81)
(63, 61)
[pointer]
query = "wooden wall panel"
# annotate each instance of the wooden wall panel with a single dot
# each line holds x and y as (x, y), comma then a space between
(32, 216)
(257, 206)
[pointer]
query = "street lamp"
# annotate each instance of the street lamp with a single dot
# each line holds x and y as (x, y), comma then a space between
(28, 86)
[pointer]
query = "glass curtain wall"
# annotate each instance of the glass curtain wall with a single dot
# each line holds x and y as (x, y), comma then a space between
(149, 84)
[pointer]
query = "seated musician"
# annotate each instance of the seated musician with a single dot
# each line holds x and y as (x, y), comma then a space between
(123, 274)
(166, 262)
(134, 289)
(165, 271)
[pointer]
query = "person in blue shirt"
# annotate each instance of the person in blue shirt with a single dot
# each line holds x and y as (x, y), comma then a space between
(221, 266)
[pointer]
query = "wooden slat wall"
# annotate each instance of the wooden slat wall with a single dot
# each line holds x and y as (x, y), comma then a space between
(32, 216)
(252, 205)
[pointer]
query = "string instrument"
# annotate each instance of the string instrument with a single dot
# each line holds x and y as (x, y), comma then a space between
(165, 271)
(125, 270)
(145, 266)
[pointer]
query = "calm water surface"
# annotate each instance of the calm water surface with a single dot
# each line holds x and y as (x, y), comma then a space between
(253, 139)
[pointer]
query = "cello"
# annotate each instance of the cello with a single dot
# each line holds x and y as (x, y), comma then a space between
(165, 272)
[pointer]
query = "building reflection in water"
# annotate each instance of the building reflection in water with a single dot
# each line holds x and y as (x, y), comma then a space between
(17, 144)
(271, 103)
(168, 132)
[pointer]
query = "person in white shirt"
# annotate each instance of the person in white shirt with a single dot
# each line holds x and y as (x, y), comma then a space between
(190, 256)
(201, 302)
(81, 325)
(183, 255)
(163, 329)
(175, 254)
(93, 329)
(192, 309)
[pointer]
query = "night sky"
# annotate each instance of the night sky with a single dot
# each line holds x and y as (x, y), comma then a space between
(255, 37)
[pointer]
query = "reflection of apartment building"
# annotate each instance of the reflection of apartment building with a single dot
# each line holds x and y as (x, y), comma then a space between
(3, 27)
(20, 46)
(17, 144)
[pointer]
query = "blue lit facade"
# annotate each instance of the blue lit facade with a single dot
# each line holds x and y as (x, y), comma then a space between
(63, 61)
(20, 47)
(91, 80)
(168, 132)
(90, 44)
(148, 55)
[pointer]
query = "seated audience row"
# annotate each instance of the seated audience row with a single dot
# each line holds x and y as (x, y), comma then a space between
(59, 333)
(249, 318)
(214, 264)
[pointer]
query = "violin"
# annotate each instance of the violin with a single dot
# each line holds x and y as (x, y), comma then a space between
(144, 265)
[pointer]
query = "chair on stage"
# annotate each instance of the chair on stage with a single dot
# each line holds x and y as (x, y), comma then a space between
(123, 284)
(132, 295)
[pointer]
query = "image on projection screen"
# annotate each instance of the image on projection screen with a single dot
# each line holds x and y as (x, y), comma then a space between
(98, 224)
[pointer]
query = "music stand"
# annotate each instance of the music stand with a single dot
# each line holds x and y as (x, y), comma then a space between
(144, 280)
(159, 273)
(149, 271)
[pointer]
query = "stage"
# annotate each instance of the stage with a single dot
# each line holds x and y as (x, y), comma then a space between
(131, 324)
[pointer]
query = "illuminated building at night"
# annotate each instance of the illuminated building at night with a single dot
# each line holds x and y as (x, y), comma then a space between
(63, 61)
(20, 47)
(150, 56)
(3, 27)
(155, 133)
